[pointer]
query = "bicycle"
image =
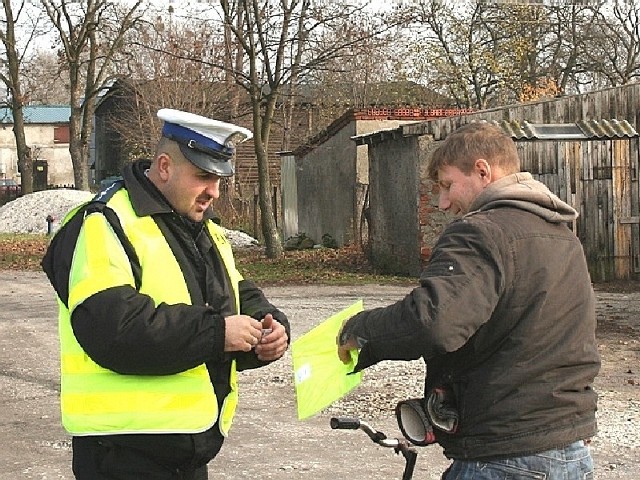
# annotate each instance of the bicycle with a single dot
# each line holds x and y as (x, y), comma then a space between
(400, 445)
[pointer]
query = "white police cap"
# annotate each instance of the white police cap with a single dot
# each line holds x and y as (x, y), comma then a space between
(208, 144)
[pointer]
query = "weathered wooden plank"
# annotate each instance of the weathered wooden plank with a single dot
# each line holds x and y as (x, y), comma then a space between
(589, 227)
(634, 195)
(605, 227)
(620, 185)
(560, 155)
(587, 168)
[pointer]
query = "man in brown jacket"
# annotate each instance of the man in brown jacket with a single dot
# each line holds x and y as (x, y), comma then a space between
(504, 318)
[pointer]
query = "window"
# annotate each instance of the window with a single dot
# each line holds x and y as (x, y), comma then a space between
(61, 134)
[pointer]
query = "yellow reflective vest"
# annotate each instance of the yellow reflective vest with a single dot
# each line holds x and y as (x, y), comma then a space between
(98, 401)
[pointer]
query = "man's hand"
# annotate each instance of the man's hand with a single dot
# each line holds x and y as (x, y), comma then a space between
(242, 333)
(345, 346)
(274, 341)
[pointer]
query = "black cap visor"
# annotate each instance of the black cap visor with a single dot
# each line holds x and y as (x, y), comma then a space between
(219, 165)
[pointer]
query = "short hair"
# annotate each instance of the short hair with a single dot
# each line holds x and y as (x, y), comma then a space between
(171, 148)
(472, 141)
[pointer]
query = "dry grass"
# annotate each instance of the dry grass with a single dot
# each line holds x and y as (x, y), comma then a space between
(346, 265)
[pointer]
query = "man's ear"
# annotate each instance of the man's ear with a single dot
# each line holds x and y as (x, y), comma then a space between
(164, 164)
(483, 169)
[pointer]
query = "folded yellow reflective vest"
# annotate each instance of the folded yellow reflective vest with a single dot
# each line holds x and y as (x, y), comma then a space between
(320, 377)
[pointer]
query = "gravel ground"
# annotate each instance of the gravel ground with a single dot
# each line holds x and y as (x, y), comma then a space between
(267, 440)
(28, 214)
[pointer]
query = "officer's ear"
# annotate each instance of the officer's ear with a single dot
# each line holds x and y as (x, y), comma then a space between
(164, 165)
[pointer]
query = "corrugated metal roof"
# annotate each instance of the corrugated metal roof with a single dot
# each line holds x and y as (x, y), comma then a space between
(604, 128)
(519, 130)
(581, 130)
(42, 114)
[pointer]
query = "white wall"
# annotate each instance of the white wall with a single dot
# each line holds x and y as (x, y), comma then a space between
(41, 139)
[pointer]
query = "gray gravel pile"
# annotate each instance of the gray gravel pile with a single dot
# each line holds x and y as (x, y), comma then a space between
(28, 214)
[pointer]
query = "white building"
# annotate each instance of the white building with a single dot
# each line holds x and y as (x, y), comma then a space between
(46, 128)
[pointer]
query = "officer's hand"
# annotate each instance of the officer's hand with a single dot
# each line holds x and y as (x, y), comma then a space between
(242, 333)
(273, 343)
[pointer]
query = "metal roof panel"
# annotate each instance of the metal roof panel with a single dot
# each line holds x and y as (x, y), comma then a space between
(581, 130)
(38, 114)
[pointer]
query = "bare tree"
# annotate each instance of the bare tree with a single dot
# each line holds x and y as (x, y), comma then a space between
(45, 78)
(166, 66)
(366, 72)
(458, 51)
(615, 55)
(10, 76)
(484, 54)
(91, 34)
(276, 40)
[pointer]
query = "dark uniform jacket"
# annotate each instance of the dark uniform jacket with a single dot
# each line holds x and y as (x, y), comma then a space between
(505, 319)
(123, 331)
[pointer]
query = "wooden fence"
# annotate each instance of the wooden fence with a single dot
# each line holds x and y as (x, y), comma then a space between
(599, 178)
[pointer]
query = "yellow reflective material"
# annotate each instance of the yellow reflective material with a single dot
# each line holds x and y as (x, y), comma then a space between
(91, 399)
(97, 400)
(142, 412)
(68, 342)
(156, 258)
(166, 422)
(133, 403)
(230, 402)
(79, 364)
(226, 253)
(99, 261)
(82, 370)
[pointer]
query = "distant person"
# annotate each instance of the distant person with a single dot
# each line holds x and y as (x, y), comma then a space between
(504, 318)
(155, 320)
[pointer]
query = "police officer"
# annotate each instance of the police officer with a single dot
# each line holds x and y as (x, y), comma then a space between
(154, 319)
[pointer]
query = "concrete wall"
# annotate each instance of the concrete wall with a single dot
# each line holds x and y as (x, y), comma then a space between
(405, 219)
(289, 196)
(326, 177)
(332, 180)
(41, 139)
(394, 238)
(431, 220)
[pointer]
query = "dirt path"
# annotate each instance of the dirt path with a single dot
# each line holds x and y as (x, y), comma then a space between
(267, 440)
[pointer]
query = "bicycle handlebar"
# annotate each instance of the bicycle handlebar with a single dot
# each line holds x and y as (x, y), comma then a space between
(400, 445)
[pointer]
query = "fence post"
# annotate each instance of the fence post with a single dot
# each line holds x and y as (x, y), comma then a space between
(50, 220)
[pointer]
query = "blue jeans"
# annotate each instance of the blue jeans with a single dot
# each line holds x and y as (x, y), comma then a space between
(573, 462)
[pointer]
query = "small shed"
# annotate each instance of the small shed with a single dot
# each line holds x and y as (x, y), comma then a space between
(590, 164)
(332, 172)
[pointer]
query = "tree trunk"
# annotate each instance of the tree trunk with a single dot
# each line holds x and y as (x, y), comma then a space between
(25, 161)
(80, 168)
(12, 82)
(262, 128)
(272, 240)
